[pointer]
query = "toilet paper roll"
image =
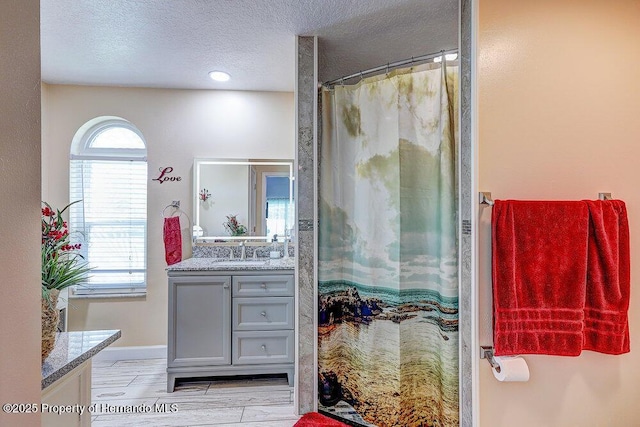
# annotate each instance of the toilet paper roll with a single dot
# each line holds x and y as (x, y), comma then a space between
(511, 368)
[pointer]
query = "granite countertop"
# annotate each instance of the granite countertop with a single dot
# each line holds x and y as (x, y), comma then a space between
(71, 350)
(222, 264)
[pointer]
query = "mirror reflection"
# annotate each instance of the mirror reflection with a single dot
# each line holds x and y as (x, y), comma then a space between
(243, 200)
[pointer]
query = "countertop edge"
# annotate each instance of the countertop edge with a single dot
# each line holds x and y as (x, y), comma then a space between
(217, 264)
(60, 372)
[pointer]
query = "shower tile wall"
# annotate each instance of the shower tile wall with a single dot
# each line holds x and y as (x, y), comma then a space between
(305, 183)
(466, 203)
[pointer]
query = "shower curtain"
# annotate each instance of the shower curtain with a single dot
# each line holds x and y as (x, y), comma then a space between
(388, 284)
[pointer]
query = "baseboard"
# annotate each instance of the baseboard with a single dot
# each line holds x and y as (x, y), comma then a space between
(132, 353)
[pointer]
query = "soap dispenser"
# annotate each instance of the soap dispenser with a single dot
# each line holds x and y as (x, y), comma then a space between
(275, 253)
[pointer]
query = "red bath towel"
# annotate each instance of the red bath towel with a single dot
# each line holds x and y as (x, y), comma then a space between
(172, 240)
(606, 325)
(539, 274)
(314, 419)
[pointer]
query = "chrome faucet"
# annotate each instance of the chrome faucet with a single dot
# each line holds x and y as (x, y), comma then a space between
(286, 247)
(243, 250)
(231, 253)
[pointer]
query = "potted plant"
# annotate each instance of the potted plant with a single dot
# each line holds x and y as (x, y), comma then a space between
(233, 227)
(62, 267)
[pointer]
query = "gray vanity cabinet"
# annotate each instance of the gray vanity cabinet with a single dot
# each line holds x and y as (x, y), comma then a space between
(230, 323)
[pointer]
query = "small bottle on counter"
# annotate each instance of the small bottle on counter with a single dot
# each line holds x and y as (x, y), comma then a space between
(275, 253)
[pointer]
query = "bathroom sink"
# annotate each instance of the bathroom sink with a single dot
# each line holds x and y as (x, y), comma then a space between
(241, 263)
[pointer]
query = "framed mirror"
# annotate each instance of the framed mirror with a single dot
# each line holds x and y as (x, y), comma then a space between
(243, 200)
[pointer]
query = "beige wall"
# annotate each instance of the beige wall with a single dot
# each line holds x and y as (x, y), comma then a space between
(559, 101)
(20, 336)
(178, 125)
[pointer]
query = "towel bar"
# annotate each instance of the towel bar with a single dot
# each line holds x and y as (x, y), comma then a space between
(484, 197)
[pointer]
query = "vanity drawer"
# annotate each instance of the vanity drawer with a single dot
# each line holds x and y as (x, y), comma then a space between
(261, 286)
(252, 314)
(259, 347)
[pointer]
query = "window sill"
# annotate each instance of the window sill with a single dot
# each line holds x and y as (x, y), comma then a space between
(127, 295)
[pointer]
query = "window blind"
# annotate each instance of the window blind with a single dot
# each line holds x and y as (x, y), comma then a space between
(110, 222)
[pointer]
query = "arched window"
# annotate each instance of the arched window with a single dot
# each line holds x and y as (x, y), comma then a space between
(108, 175)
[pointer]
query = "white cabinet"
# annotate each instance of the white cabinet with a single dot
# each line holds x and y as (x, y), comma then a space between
(73, 389)
(230, 323)
(66, 377)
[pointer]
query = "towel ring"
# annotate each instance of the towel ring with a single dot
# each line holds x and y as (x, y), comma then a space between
(170, 206)
(178, 211)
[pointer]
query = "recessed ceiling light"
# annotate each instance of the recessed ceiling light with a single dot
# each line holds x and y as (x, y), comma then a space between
(219, 76)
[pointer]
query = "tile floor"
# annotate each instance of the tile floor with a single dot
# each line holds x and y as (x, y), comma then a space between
(140, 385)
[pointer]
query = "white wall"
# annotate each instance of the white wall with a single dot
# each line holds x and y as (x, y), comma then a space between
(178, 125)
(229, 188)
(20, 337)
(559, 100)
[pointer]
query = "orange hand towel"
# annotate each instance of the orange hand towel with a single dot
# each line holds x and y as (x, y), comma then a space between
(539, 274)
(606, 324)
(314, 419)
(172, 240)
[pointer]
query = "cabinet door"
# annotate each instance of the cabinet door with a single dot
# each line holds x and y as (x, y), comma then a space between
(199, 321)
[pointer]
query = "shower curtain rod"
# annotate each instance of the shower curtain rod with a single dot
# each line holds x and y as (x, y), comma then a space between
(391, 65)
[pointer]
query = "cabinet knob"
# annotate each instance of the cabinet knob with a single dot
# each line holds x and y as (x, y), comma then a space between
(263, 347)
(263, 314)
(263, 286)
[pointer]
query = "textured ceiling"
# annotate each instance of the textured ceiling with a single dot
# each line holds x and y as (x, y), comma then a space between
(175, 43)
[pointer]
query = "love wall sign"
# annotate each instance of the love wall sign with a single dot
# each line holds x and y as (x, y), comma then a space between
(165, 175)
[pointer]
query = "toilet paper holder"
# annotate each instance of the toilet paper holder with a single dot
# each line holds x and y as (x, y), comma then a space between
(486, 352)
